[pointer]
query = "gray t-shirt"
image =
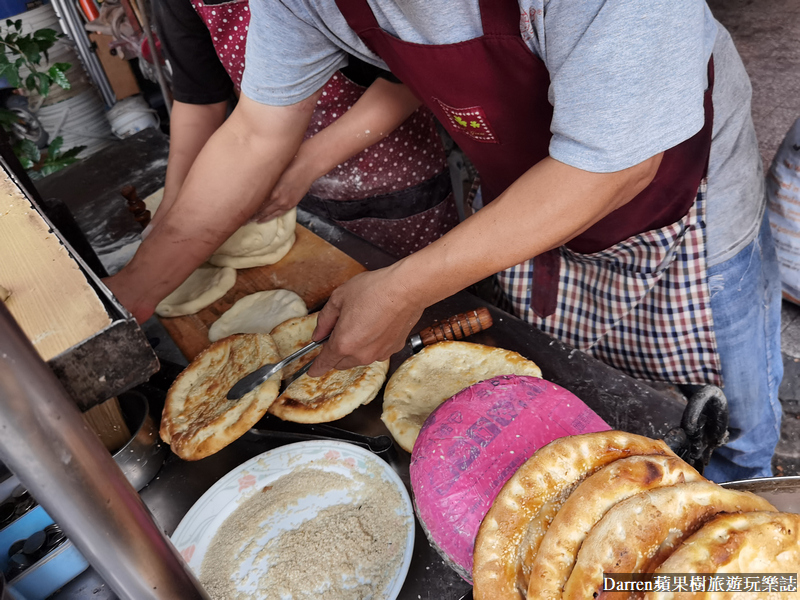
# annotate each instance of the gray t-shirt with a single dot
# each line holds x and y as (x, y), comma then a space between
(627, 81)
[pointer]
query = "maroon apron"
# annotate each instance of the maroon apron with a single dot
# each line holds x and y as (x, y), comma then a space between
(491, 93)
(395, 194)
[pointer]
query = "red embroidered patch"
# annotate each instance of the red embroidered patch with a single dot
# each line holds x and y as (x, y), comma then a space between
(470, 121)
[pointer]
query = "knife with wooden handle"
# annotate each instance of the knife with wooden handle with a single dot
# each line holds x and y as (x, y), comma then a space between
(456, 327)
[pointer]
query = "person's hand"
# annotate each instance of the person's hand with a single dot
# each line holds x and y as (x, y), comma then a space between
(370, 318)
(128, 297)
(293, 184)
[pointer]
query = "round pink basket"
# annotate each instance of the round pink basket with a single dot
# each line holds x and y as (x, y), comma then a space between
(474, 442)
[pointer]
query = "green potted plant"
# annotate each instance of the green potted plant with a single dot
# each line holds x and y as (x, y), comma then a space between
(23, 53)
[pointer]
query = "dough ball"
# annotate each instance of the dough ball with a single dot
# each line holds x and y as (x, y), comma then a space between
(257, 260)
(203, 287)
(259, 239)
(153, 201)
(258, 313)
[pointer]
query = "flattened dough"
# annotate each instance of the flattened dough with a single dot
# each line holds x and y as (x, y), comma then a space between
(329, 397)
(258, 313)
(437, 373)
(202, 288)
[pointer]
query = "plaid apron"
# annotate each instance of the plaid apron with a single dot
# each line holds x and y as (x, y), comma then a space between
(642, 305)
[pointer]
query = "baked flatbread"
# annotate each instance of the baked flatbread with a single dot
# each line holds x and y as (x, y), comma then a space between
(290, 336)
(552, 472)
(754, 542)
(198, 420)
(436, 373)
(258, 244)
(639, 533)
(329, 397)
(258, 313)
(548, 568)
(202, 288)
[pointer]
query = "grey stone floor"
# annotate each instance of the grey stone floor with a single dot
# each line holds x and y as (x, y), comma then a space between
(767, 34)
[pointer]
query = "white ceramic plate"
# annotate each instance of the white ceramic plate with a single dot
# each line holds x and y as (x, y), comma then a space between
(198, 527)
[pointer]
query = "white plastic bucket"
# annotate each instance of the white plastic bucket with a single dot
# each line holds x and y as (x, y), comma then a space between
(130, 116)
(80, 121)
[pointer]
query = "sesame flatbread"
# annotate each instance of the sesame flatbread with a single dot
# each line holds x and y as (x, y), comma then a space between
(198, 419)
(754, 542)
(639, 533)
(552, 472)
(333, 395)
(547, 569)
(436, 373)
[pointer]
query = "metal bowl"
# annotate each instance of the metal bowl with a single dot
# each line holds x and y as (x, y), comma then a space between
(142, 457)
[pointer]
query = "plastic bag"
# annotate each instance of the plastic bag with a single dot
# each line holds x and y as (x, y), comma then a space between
(783, 206)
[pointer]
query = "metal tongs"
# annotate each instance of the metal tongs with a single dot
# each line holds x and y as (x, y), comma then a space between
(259, 376)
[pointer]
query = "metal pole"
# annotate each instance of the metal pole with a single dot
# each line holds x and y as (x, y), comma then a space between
(148, 32)
(45, 442)
(73, 26)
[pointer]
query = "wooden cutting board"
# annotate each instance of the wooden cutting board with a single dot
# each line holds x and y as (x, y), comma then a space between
(312, 269)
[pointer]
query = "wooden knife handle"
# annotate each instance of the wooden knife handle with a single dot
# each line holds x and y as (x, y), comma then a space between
(457, 327)
(136, 206)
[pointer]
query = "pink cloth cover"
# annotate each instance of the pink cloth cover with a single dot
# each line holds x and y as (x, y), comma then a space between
(474, 442)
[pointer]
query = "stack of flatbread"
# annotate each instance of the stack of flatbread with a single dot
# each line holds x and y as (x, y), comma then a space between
(590, 505)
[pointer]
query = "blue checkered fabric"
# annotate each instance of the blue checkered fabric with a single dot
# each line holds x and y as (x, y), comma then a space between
(642, 306)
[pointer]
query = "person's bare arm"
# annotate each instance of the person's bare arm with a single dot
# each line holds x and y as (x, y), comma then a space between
(372, 314)
(380, 110)
(191, 126)
(235, 170)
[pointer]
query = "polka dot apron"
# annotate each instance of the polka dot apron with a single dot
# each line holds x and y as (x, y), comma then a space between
(395, 194)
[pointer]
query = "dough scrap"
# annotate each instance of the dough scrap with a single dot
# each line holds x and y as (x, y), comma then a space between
(4, 294)
(198, 419)
(439, 372)
(202, 288)
(258, 313)
(153, 201)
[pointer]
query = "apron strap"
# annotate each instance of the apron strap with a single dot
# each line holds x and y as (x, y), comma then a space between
(358, 15)
(500, 17)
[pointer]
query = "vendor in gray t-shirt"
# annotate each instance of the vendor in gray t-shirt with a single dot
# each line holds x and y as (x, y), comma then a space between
(619, 168)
